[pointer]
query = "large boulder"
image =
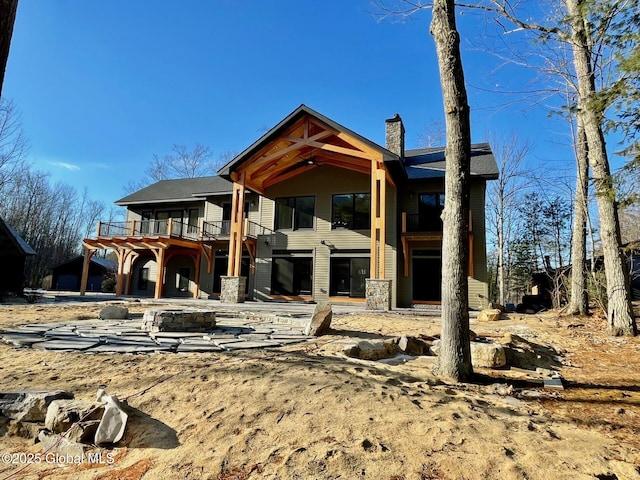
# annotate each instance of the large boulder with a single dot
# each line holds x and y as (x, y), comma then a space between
(29, 405)
(413, 346)
(61, 414)
(489, 355)
(372, 349)
(483, 354)
(114, 312)
(321, 320)
(489, 315)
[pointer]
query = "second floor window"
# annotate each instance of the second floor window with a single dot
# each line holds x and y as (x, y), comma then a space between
(430, 208)
(351, 210)
(293, 213)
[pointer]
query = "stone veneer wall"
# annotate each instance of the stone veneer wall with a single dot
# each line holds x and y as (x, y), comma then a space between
(378, 293)
(232, 289)
(178, 321)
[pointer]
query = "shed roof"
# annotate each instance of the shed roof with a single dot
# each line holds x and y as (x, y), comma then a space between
(105, 263)
(179, 190)
(9, 237)
(430, 163)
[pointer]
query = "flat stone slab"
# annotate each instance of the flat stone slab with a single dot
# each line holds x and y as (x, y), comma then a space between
(252, 344)
(198, 347)
(234, 331)
(129, 348)
(178, 335)
(253, 336)
(221, 336)
(224, 341)
(284, 336)
(78, 343)
(21, 338)
(292, 341)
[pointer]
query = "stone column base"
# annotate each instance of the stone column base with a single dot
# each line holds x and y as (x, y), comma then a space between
(378, 294)
(232, 289)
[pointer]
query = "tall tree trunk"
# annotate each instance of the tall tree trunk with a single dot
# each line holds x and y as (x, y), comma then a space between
(454, 360)
(619, 312)
(8, 10)
(579, 303)
(500, 221)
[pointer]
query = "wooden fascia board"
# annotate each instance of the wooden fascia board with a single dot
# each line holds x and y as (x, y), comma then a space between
(374, 154)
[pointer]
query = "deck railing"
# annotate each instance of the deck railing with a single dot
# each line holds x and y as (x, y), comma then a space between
(417, 223)
(175, 228)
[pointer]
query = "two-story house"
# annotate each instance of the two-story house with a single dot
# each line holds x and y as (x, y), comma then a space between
(310, 211)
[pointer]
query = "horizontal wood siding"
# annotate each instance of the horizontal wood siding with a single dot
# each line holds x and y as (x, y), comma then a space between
(140, 263)
(477, 199)
(322, 183)
(476, 288)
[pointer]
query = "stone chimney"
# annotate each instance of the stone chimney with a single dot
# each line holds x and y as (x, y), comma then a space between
(395, 135)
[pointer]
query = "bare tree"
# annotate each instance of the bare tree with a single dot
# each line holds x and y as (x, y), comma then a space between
(13, 144)
(454, 360)
(182, 162)
(503, 199)
(433, 135)
(579, 299)
(8, 9)
(620, 316)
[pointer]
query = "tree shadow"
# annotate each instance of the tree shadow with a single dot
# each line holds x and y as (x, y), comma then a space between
(359, 334)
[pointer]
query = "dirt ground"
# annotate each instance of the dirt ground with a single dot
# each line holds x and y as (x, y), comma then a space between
(308, 412)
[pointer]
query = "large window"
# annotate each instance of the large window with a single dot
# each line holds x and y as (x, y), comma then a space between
(293, 213)
(291, 275)
(348, 276)
(351, 210)
(430, 210)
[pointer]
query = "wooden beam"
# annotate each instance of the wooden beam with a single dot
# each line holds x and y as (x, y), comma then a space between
(237, 224)
(344, 151)
(277, 178)
(360, 145)
(196, 276)
(159, 254)
(85, 270)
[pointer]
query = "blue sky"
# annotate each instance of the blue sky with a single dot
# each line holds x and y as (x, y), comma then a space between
(102, 86)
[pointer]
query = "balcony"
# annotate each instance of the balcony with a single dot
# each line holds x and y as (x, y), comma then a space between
(170, 228)
(422, 226)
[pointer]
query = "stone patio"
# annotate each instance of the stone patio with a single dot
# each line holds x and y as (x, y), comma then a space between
(234, 331)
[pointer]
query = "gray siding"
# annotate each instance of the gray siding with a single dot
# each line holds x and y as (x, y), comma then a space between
(322, 183)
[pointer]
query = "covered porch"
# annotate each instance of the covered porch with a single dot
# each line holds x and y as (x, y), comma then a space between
(163, 240)
(304, 141)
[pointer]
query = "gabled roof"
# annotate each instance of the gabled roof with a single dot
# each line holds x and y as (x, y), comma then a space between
(430, 163)
(304, 147)
(179, 190)
(10, 238)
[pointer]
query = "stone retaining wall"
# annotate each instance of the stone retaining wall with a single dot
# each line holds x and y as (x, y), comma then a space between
(178, 321)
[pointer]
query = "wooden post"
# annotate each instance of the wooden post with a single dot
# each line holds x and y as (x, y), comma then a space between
(122, 256)
(160, 277)
(378, 220)
(237, 224)
(129, 272)
(85, 269)
(197, 260)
